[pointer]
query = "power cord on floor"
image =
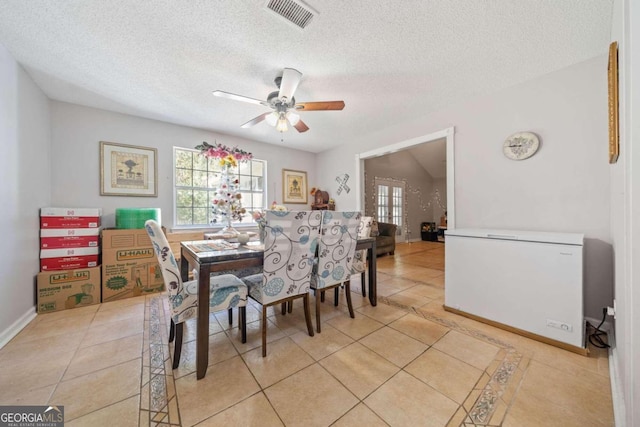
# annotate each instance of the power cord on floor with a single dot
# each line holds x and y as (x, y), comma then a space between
(595, 338)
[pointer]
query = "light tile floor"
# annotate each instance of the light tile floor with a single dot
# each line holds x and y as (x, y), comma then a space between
(405, 362)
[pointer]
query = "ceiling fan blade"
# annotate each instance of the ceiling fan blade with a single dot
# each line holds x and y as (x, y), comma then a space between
(255, 120)
(289, 83)
(301, 126)
(321, 105)
(235, 97)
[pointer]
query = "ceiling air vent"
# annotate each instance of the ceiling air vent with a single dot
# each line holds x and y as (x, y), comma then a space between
(294, 11)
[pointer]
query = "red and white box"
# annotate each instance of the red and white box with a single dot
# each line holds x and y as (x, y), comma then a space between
(69, 222)
(58, 238)
(69, 263)
(69, 258)
(71, 212)
(70, 217)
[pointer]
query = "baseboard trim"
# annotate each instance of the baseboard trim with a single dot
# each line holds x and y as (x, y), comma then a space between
(619, 410)
(418, 240)
(17, 326)
(546, 340)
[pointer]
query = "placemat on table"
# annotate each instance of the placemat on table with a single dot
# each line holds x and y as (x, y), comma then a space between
(213, 245)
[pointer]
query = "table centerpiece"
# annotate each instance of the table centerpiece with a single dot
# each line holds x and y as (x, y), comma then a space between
(227, 203)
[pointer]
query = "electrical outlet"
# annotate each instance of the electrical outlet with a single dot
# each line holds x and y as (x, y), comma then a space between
(559, 325)
(611, 311)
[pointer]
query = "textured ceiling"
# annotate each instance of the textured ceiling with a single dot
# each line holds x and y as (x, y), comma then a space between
(390, 61)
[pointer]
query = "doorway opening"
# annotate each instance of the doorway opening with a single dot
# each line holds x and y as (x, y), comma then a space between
(372, 192)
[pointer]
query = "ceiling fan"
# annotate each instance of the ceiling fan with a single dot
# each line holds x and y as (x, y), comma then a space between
(283, 104)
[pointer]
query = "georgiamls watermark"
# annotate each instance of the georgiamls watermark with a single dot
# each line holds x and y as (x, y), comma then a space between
(31, 416)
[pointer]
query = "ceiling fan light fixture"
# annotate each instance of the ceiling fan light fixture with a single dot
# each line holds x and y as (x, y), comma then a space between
(293, 118)
(282, 125)
(272, 118)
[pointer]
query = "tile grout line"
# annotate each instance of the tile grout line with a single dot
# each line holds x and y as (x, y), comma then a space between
(77, 349)
(501, 375)
(484, 406)
(53, 391)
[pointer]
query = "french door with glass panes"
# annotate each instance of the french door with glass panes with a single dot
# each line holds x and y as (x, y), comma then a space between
(390, 196)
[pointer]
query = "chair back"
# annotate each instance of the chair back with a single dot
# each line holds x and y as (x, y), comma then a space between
(360, 257)
(338, 239)
(364, 228)
(181, 310)
(289, 250)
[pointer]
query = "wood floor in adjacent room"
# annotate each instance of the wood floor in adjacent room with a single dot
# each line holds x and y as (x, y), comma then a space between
(405, 362)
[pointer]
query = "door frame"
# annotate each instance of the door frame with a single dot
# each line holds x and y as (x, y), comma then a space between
(391, 183)
(447, 133)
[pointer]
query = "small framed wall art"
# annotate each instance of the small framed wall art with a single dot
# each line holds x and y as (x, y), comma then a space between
(294, 186)
(614, 141)
(128, 170)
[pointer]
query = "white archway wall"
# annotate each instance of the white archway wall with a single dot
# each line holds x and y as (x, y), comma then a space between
(563, 188)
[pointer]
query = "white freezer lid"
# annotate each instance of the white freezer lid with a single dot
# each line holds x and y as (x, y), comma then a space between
(520, 235)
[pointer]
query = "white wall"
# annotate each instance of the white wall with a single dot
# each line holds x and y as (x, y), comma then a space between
(632, 281)
(26, 187)
(625, 208)
(76, 135)
(564, 187)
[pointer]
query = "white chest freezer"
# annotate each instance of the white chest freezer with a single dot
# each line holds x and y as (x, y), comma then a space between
(530, 281)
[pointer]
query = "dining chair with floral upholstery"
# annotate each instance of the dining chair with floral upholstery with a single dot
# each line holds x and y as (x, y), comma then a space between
(336, 250)
(359, 265)
(289, 251)
(226, 291)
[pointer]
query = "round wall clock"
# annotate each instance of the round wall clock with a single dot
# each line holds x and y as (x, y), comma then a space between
(521, 145)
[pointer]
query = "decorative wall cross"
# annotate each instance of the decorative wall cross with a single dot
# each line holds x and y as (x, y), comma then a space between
(342, 183)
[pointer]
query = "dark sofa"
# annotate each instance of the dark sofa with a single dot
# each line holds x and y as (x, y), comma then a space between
(386, 238)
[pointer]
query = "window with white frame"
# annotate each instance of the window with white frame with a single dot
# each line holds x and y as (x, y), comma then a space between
(197, 177)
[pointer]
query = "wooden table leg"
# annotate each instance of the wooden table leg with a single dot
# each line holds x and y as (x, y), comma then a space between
(202, 337)
(373, 284)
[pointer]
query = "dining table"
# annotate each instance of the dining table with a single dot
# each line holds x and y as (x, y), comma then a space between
(217, 257)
